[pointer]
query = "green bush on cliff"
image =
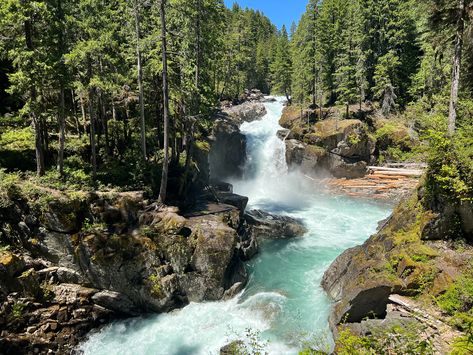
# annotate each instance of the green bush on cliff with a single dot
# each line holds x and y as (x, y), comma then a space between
(457, 301)
(450, 172)
(8, 188)
(17, 311)
(155, 286)
(464, 344)
(394, 340)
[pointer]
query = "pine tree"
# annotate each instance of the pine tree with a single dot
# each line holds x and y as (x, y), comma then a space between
(350, 72)
(306, 65)
(165, 170)
(281, 67)
(454, 17)
(27, 38)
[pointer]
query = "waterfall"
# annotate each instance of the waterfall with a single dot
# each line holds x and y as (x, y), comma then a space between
(265, 151)
(266, 180)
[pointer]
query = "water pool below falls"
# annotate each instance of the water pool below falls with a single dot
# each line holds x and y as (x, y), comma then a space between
(283, 302)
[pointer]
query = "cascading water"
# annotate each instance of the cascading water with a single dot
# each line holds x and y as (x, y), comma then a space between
(283, 302)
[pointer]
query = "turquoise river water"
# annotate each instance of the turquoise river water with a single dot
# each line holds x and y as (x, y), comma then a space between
(283, 303)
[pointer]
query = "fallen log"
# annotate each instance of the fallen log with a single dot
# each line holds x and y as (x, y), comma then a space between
(396, 171)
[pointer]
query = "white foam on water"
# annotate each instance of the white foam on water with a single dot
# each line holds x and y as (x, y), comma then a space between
(283, 302)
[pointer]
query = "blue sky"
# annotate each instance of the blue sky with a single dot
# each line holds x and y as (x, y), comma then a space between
(281, 12)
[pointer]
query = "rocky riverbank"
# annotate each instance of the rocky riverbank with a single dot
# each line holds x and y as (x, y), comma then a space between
(80, 260)
(415, 258)
(342, 148)
(76, 261)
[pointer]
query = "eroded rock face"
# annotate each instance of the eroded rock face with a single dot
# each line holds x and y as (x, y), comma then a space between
(227, 155)
(399, 259)
(127, 257)
(340, 147)
(309, 159)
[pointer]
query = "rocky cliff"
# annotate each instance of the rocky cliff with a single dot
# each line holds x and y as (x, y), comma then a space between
(227, 155)
(77, 260)
(342, 148)
(417, 253)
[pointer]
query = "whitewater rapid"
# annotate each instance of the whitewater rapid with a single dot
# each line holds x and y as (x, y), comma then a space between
(283, 304)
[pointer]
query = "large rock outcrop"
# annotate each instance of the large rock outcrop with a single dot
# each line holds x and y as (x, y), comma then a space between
(227, 154)
(265, 225)
(400, 259)
(80, 260)
(246, 112)
(341, 147)
(259, 225)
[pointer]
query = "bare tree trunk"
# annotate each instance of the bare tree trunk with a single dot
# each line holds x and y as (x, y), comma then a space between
(189, 155)
(82, 109)
(125, 121)
(289, 101)
(93, 157)
(140, 80)
(38, 144)
(44, 134)
(62, 104)
(35, 119)
(74, 113)
(62, 132)
(157, 104)
(361, 98)
(164, 177)
(314, 68)
(452, 115)
(198, 55)
(321, 105)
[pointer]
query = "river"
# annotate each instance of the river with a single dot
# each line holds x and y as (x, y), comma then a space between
(283, 308)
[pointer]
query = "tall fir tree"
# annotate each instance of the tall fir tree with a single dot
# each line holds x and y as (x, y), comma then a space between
(281, 68)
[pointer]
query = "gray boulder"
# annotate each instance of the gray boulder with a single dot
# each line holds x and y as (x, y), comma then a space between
(268, 226)
(115, 301)
(246, 112)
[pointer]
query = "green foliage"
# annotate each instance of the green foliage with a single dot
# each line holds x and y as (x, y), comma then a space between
(394, 340)
(8, 188)
(464, 344)
(281, 67)
(457, 301)
(17, 139)
(248, 52)
(89, 227)
(450, 171)
(250, 344)
(352, 51)
(18, 310)
(156, 287)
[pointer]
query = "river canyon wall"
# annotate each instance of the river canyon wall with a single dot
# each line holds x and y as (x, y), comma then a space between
(78, 260)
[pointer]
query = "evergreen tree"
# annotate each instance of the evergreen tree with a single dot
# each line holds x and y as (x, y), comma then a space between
(453, 17)
(306, 65)
(350, 74)
(281, 67)
(165, 172)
